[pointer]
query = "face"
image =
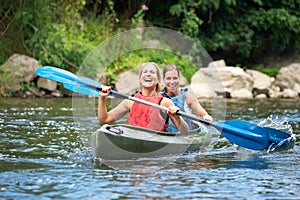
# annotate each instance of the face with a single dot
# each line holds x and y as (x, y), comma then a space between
(171, 81)
(148, 76)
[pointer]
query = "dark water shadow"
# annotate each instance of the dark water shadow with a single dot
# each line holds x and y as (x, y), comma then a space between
(190, 162)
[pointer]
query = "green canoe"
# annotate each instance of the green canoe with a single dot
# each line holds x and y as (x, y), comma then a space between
(121, 141)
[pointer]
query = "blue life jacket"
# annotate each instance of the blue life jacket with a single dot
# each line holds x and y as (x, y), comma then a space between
(180, 102)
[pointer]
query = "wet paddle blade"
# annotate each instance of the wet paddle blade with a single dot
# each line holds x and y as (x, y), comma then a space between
(244, 134)
(280, 140)
(88, 82)
(56, 74)
(63, 76)
(255, 137)
(94, 92)
(54, 77)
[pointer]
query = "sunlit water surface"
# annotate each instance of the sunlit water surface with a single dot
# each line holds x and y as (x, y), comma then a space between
(43, 157)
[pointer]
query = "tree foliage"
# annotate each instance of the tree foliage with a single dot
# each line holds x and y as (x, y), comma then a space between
(241, 30)
(56, 32)
(62, 32)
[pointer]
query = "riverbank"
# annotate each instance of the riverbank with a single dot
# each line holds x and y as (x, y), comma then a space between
(216, 80)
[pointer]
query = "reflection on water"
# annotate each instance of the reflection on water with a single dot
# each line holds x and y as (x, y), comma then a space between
(43, 156)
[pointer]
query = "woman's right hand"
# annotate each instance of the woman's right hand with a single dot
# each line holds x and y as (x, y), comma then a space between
(105, 90)
(207, 117)
(172, 110)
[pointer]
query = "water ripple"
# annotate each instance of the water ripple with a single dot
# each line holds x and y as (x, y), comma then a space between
(43, 157)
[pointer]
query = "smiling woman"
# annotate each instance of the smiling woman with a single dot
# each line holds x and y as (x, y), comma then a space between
(139, 114)
(184, 99)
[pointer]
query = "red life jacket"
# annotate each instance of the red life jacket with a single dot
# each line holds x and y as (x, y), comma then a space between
(146, 116)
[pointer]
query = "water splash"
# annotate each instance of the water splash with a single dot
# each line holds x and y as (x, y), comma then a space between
(282, 125)
(277, 123)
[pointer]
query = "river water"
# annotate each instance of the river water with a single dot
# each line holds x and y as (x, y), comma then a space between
(44, 157)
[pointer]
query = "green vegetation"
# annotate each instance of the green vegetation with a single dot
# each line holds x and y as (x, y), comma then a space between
(271, 71)
(133, 59)
(62, 33)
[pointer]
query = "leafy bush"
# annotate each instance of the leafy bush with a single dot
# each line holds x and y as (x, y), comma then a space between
(133, 60)
(270, 71)
(62, 33)
(242, 31)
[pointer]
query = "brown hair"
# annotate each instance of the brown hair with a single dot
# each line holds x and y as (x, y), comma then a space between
(170, 68)
(158, 85)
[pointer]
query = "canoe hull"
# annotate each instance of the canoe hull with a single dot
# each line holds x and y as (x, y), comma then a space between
(119, 142)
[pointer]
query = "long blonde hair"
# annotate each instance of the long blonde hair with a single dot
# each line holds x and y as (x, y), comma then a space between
(158, 85)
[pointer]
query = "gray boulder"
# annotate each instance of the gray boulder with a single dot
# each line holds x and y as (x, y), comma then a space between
(225, 81)
(289, 78)
(20, 69)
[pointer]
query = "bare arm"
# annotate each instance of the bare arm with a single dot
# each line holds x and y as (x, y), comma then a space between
(178, 121)
(105, 117)
(196, 107)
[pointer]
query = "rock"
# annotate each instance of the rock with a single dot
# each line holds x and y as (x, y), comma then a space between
(11, 85)
(201, 90)
(23, 67)
(260, 81)
(65, 92)
(128, 82)
(215, 80)
(28, 94)
(288, 93)
(203, 84)
(235, 78)
(289, 78)
(261, 96)
(183, 82)
(101, 77)
(18, 69)
(36, 93)
(46, 84)
(217, 64)
(56, 93)
(242, 93)
(223, 80)
(274, 92)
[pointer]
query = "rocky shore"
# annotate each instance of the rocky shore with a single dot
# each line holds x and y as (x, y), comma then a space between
(217, 80)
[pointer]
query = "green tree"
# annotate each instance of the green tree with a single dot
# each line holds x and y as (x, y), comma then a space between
(62, 32)
(56, 32)
(241, 31)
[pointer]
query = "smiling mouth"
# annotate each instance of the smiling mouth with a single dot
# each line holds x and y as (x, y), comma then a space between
(172, 86)
(148, 80)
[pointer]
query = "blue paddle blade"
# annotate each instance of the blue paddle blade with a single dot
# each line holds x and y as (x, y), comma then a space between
(254, 137)
(280, 140)
(64, 76)
(54, 77)
(88, 82)
(244, 134)
(82, 89)
(55, 74)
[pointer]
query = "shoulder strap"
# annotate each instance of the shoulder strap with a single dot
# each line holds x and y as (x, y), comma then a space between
(184, 89)
(162, 113)
(164, 93)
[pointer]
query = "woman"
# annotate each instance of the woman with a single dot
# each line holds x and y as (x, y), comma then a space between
(183, 99)
(140, 114)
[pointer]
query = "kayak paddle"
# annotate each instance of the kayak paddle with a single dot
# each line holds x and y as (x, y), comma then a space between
(239, 132)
